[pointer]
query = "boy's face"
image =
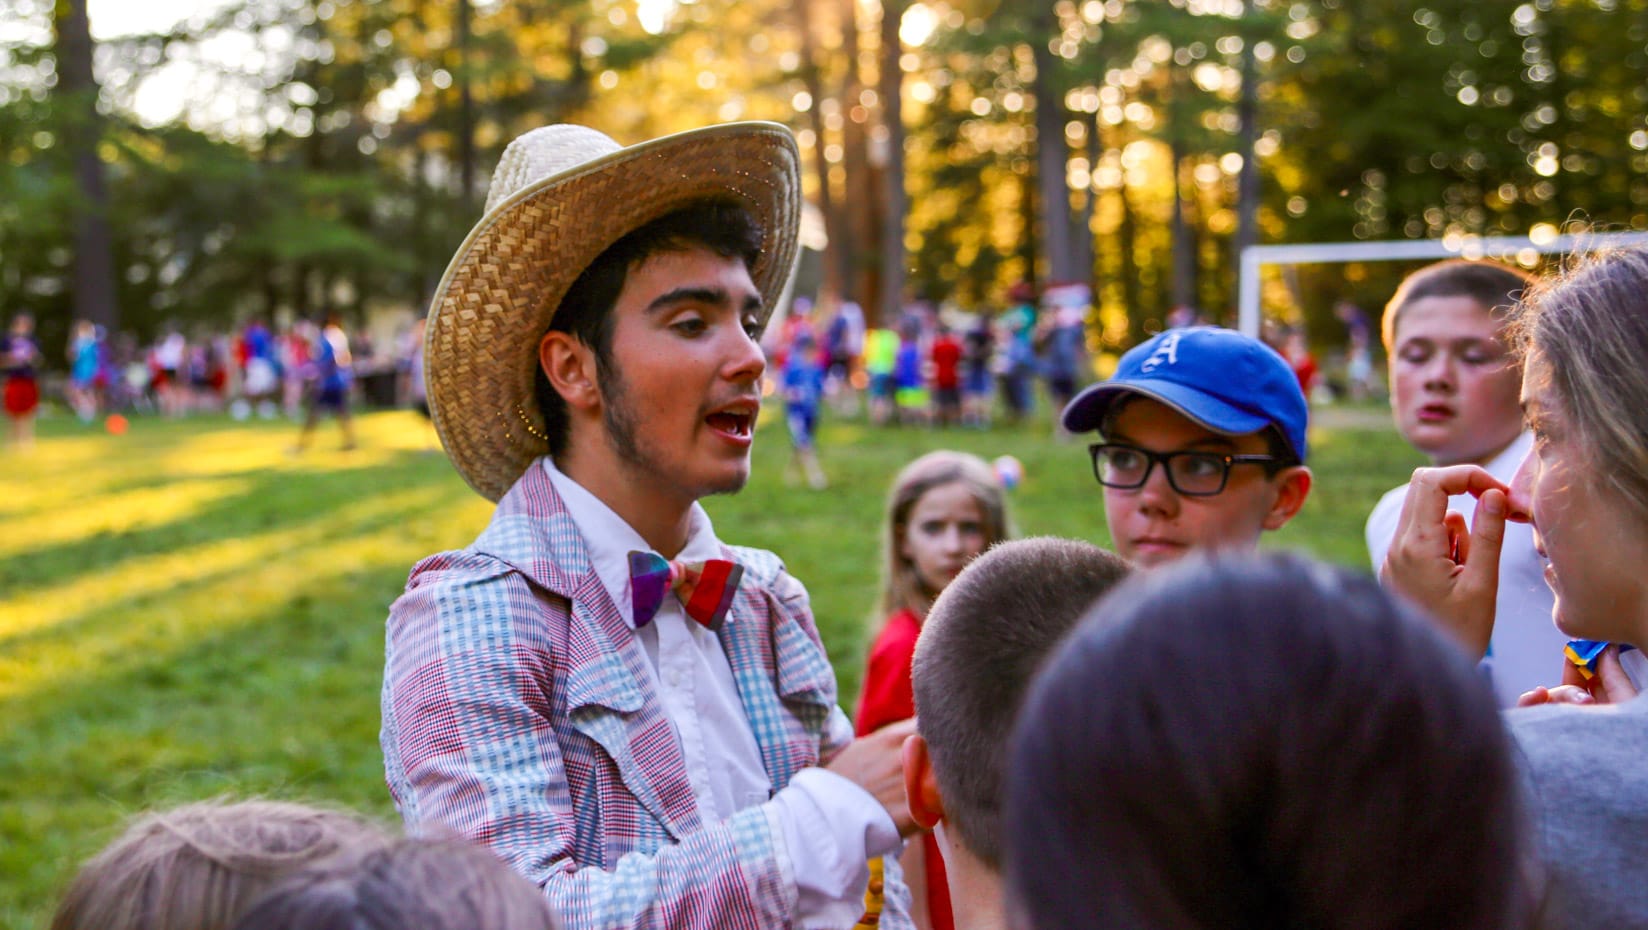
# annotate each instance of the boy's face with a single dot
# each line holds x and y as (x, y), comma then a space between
(1155, 524)
(1453, 386)
(680, 407)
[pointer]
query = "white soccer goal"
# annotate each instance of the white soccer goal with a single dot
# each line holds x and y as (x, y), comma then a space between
(1505, 247)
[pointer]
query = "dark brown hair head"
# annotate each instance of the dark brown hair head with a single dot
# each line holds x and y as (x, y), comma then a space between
(984, 639)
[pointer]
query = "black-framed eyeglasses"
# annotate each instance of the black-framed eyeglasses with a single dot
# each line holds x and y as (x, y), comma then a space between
(1193, 474)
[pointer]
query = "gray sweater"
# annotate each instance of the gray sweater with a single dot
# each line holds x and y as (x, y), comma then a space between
(1587, 772)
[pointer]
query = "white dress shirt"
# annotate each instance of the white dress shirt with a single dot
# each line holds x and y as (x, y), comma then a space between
(828, 827)
(1526, 649)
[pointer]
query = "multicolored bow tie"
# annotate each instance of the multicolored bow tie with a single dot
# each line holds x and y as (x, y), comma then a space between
(704, 588)
(1584, 654)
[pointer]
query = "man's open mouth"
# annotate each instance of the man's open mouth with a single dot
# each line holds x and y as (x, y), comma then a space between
(732, 422)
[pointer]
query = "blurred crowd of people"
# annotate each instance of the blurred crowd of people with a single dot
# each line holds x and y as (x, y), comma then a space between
(936, 366)
(298, 371)
(933, 366)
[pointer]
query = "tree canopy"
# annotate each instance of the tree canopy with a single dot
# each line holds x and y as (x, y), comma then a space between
(281, 158)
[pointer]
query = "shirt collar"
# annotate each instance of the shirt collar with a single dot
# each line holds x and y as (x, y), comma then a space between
(610, 539)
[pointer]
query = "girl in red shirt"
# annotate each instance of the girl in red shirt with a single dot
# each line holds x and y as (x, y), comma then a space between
(945, 508)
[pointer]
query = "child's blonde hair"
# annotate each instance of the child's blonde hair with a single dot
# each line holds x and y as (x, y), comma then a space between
(414, 883)
(901, 588)
(200, 866)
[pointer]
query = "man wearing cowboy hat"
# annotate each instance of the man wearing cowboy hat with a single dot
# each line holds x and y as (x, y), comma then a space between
(635, 716)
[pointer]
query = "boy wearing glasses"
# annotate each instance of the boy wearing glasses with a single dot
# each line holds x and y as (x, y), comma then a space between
(1202, 444)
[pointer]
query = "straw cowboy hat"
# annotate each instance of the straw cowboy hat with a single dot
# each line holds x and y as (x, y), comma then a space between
(561, 195)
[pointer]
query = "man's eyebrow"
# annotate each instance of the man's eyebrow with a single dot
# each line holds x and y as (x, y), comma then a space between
(1218, 442)
(714, 296)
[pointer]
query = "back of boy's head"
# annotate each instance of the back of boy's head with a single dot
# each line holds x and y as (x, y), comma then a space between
(1262, 743)
(198, 867)
(981, 643)
(1494, 287)
(413, 883)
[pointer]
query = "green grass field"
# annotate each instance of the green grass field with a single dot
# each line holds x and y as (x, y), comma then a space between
(186, 611)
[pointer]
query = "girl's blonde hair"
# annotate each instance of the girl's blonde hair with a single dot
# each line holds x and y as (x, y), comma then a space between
(200, 866)
(1590, 326)
(901, 587)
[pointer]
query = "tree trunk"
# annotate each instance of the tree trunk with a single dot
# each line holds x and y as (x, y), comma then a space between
(94, 281)
(1051, 157)
(1126, 246)
(1127, 236)
(1028, 243)
(1247, 182)
(1184, 247)
(302, 296)
(862, 228)
(895, 200)
(1085, 250)
(466, 110)
(837, 264)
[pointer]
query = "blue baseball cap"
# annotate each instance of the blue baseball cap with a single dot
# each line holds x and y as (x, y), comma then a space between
(1227, 382)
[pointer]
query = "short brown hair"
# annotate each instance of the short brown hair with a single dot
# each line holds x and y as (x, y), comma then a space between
(200, 865)
(1590, 325)
(413, 883)
(986, 636)
(1495, 286)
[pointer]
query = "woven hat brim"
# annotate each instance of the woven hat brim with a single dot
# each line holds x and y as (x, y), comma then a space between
(501, 290)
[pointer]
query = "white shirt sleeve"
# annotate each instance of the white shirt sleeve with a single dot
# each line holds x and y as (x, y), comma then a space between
(831, 828)
(1381, 528)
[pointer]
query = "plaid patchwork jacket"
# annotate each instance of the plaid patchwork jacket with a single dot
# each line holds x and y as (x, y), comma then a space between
(517, 710)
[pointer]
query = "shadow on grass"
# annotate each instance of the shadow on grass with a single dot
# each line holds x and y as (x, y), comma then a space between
(280, 699)
(273, 499)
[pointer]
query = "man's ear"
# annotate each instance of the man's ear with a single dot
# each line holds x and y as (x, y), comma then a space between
(920, 786)
(1292, 487)
(570, 367)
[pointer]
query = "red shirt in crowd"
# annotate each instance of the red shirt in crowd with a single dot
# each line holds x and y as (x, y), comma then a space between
(946, 359)
(888, 698)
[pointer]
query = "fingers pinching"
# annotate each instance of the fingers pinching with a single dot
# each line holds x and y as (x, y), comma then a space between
(1487, 536)
(1459, 537)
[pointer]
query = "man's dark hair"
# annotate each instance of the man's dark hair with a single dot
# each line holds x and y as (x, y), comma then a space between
(1258, 743)
(1494, 286)
(725, 227)
(982, 641)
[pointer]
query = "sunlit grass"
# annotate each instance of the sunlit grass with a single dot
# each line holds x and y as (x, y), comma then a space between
(188, 610)
(108, 512)
(193, 591)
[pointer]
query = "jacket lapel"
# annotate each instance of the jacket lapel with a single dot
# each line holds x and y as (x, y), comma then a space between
(610, 696)
(780, 671)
